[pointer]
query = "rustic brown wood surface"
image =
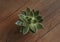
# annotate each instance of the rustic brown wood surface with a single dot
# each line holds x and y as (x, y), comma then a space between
(9, 10)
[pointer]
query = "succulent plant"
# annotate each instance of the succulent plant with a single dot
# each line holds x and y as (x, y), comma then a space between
(29, 21)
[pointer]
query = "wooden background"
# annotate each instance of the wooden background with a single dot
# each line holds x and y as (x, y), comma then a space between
(50, 11)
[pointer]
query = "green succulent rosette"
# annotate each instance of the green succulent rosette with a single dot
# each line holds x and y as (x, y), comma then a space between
(29, 21)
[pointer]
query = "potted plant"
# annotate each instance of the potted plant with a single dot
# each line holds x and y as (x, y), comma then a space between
(29, 21)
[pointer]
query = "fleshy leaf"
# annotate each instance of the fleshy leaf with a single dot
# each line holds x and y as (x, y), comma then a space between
(19, 23)
(24, 30)
(39, 26)
(21, 16)
(33, 28)
(23, 12)
(39, 19)
(36, 13)
(31, 13)
(28, 10)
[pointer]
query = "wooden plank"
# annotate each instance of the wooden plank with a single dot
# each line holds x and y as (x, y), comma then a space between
(52, 36)
(7, 7)
(50, 10)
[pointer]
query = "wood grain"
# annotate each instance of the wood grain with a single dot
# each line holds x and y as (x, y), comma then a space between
(9, 9)
(52, 36)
